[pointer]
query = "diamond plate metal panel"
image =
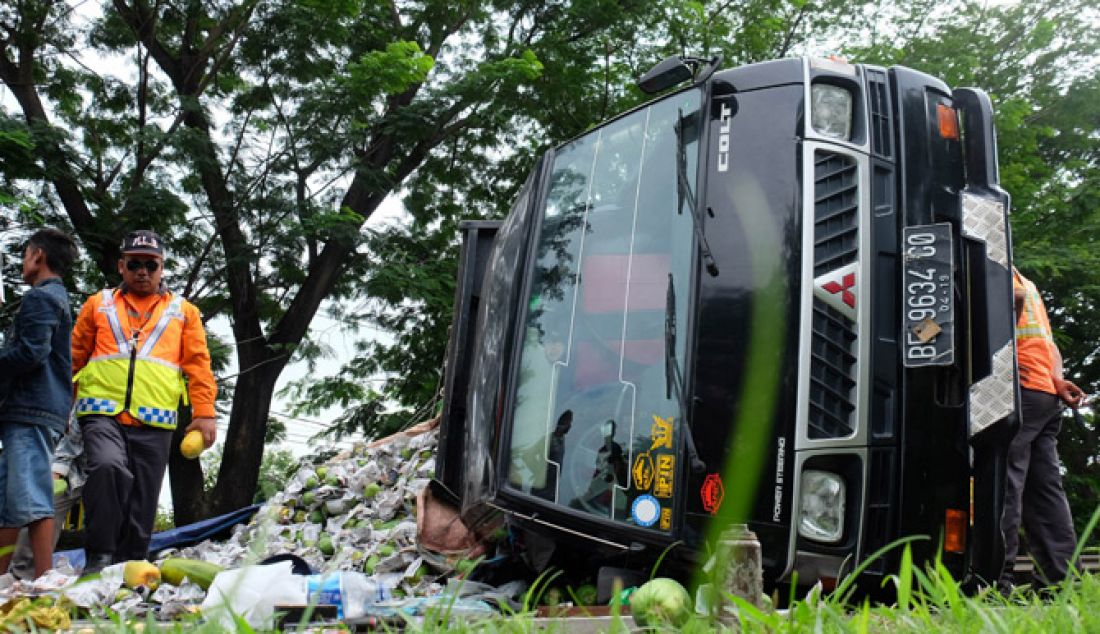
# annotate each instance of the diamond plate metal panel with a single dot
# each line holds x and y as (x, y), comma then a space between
(994, 397)
(984, 219)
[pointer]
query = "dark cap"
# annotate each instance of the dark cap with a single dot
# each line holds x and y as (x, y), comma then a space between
(142, 242)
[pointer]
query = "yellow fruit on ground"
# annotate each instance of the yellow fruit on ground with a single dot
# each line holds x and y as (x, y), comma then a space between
(192, 444)
(140, 573)
(174, 570)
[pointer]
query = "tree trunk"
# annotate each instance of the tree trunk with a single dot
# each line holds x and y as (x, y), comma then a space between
(244, 446)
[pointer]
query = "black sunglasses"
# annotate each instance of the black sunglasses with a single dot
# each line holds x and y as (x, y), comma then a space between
(148, 265)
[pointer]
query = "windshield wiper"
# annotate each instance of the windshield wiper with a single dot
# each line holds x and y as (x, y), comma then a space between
(684, 192)
(674, 380)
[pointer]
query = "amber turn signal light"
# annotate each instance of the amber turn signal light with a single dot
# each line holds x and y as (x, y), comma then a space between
(949, 121)
(954, 539)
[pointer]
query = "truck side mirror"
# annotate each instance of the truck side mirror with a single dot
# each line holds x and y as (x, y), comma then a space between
(667, 73)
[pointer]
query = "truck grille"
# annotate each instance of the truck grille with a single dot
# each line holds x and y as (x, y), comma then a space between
(878, 97)
(833, 340)
(832, 365)
(836, 207)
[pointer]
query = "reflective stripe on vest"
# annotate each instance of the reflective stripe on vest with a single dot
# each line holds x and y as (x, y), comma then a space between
(157, 417)
(158, 384)
(174, 311)
(92, 405)
(108, 308)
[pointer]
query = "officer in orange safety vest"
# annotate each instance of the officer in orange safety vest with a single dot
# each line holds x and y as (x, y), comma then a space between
(138, 350)
(1033, 486)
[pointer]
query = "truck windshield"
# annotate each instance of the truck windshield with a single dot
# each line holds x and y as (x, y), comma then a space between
(595, 426)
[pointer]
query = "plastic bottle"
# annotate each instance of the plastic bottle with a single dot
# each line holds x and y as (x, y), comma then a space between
(351, 592)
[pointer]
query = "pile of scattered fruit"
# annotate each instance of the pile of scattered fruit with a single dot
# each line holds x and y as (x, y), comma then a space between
(357, 512)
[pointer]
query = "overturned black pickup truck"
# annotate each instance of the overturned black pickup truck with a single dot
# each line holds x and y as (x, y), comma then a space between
(780, 295)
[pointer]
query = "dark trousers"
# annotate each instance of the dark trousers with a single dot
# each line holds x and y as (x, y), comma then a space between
(1033, 492)
(125, 471)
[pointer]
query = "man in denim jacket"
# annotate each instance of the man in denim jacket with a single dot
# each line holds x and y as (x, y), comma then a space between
(36, 395)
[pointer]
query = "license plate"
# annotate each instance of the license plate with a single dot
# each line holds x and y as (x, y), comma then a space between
(926, 295)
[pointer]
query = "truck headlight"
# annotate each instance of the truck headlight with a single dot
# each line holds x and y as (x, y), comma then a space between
(831, 111)
(821, 516)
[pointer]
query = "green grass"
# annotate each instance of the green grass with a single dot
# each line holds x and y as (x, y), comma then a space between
(934, 604)
(929, 602)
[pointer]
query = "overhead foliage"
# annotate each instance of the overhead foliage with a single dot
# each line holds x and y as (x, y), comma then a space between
(259, 138)
(409, 287)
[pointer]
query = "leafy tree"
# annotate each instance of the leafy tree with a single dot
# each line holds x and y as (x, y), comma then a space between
(16, 158)
(259, 138)
(409, 289)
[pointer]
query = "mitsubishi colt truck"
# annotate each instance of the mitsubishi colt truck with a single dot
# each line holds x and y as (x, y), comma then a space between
(779, 294)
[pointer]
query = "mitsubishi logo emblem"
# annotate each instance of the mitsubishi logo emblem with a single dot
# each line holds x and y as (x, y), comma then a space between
(848, 282)
(839, 289)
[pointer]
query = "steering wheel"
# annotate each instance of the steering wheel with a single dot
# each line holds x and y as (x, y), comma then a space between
(591, 407)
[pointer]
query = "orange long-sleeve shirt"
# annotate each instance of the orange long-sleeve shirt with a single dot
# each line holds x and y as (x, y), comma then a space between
(186, 347)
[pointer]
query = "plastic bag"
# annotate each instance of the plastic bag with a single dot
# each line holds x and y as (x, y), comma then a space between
(251, 593)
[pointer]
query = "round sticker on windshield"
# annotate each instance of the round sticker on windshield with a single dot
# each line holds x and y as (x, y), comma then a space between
(645, 510)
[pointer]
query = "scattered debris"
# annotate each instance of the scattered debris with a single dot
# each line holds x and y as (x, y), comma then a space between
(357, 513)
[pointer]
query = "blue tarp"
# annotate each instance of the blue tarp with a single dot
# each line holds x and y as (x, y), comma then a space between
(179, 536)
(199, 531)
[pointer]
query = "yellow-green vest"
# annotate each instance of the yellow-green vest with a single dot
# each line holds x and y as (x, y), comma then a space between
(132, 379)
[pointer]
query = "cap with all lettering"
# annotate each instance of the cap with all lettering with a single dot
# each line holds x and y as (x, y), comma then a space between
(142, 242)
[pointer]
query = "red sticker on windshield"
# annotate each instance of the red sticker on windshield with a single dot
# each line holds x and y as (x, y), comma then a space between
(712, 493)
